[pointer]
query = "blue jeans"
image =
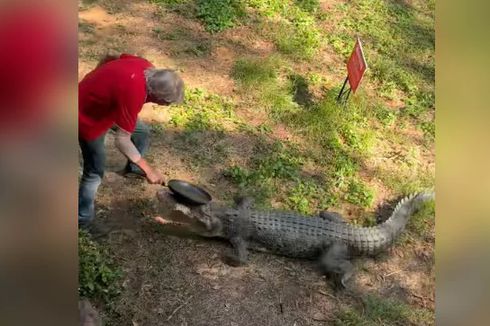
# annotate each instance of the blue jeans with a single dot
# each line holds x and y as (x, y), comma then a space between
(93, 153)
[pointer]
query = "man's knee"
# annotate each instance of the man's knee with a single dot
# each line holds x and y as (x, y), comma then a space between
(93, 174)
(142, 129)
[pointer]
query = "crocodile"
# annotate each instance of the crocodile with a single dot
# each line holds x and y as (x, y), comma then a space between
(326, 237)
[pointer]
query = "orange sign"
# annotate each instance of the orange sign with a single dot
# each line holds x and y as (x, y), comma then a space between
(356, 66)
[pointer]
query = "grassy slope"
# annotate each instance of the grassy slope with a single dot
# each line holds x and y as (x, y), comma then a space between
(346, 146)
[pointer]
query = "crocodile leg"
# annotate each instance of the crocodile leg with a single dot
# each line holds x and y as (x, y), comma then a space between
(335, 262)
(239, 254)
(244, 203)
(332, 217)
(240, 230)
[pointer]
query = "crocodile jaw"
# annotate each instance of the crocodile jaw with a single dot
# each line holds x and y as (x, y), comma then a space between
(172, 213)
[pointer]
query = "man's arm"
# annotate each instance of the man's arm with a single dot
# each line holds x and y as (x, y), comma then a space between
(126, 146)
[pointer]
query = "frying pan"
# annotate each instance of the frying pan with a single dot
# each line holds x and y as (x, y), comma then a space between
(189, 193)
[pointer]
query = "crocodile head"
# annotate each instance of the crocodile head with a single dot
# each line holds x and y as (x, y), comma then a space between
(196, 219)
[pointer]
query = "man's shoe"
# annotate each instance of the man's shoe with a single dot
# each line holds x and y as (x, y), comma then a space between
(131, 172)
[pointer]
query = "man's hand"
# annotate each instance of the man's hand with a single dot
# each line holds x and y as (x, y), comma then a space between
(155, 178)
(152, 176)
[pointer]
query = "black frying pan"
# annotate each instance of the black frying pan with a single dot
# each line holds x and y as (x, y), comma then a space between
(189, 193)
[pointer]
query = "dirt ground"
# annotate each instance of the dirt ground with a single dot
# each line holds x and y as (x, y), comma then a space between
(171, 280)
(182, 280)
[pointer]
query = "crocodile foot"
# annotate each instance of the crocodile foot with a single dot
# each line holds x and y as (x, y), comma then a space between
(234, 261)
(239, 254)
(336, 264)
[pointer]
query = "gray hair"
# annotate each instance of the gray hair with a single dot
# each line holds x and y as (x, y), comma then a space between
(164, 85)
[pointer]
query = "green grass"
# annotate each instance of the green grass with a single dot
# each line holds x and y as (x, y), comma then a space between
(199, 49)
(186, 8)
(216, 15)
(300, 90)
(309, 197)
(276, 172)
(170, 2)
(203, 121)
(359, 194)
(385, 116)
(399, 45)
(86, 4)
(408, 176)
(310, 6)
(203, 111)
(173, 35)
(324, 122)
(219, 15)
(339, 136)
(342, 136)
(297, 36)
(258, 79)
(186, 43)
(291, 26)
(422, 223)
(273, 165)
(274, 160)
(264, 129)
(429, 129)
(173, 4)
(254, 73)
(99, 278)
(380, 311)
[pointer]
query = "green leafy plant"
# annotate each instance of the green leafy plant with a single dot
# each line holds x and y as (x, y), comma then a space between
(238, 175)
(291, 26)
(359, 194)
(307, 196)
(384, 115)
(429, 129)
(273, 165)
(310, 6)
(219, 15)
(297, 35)
(269, 8)
(98, 276)
(344, 167)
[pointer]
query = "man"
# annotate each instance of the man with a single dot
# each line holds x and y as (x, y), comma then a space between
(113, 94)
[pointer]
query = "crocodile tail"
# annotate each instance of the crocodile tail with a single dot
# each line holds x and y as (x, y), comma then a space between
(371, 240)
(405, 208)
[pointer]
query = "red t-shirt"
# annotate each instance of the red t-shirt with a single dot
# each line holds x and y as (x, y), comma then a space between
(113, 93)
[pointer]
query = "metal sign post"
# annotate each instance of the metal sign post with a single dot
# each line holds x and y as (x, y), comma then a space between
(344, 96)
(356, 66)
